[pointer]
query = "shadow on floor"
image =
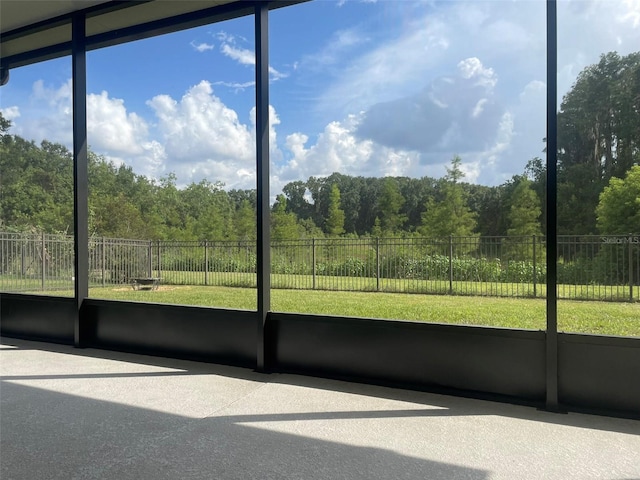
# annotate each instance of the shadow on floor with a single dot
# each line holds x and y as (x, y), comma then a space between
(447, 405)
(58, 436)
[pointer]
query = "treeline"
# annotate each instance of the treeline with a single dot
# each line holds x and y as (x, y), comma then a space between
(36, 194)
(598, 139)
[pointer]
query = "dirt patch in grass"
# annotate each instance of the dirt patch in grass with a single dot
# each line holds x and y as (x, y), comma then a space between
(161, 288)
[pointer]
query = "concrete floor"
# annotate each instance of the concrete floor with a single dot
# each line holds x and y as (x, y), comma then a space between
(91, 414)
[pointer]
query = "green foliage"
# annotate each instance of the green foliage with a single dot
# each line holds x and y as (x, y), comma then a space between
(618, 211)
(451, 215)
(36, 186)
(524, 221)
(119, 218)
(5, 125)
(524, 214)
(284, 225)
(335, 215)
(598, 137)
(390, 203)
(245, 221)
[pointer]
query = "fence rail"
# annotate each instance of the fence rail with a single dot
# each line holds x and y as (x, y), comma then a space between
(589, 267)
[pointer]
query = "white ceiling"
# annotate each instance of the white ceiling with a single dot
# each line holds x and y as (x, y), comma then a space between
(20, 13)
(105, 16)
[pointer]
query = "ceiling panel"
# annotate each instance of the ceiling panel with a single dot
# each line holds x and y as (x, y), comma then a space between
(20, 13)
(44, 27)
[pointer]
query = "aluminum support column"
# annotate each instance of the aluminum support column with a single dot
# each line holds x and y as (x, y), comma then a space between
(552, 204)
(263, 269)
(80, 171)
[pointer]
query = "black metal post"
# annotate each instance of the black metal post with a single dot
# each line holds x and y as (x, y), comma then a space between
(631, 267)
(80, 169)
(263, 267)
(149, 259)
(313, 262)
(535, 268)
(43, 261)
(450, 264)
(104, 261)
(377, 264)
(206, 262)
(159, 263)
(552, 203)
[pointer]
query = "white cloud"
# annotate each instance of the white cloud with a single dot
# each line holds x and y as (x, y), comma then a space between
(338, 149)
(111, 128)
(202, 47)
(479, 107)
(204, 138)
(244, 56)
(275, 74)
(405, 84)
(451, 114)
(118, 135)
(200, 127)
(240, 55)
(237, 86)
(341, 3)
(10, 113)
(57, 98)
(274, 120)
(472, 68)
(632, 14)
(123, 137)
(48, 115)
(388, 69)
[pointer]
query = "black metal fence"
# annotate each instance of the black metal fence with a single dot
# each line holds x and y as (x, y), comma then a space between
(35, 262)
(589, 267)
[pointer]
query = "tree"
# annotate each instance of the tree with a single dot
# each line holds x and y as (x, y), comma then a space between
(335, 215)
(245, 221)
(618, 211)
(118, 217)
(390, 203)
(536, 171)
(598, 137)
(451, 215)
(524, 222)
(296, 201)
(5, 125)
(524, 214)
(284, 225)
(415, 192)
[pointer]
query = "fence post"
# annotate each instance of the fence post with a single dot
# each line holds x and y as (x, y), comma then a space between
(104, 261)
(206, 263)
(22, 272)
(450, 264)
(44, 260)
(313, 261)
(150, 262)
(535, 276)
(631, 267)
(159, 263)
(377, 264)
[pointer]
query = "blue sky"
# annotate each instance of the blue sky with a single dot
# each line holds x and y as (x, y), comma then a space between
(359, 87)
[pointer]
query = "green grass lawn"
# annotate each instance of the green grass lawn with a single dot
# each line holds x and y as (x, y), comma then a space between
(400, 285)
(354, 284)
(605, 318)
